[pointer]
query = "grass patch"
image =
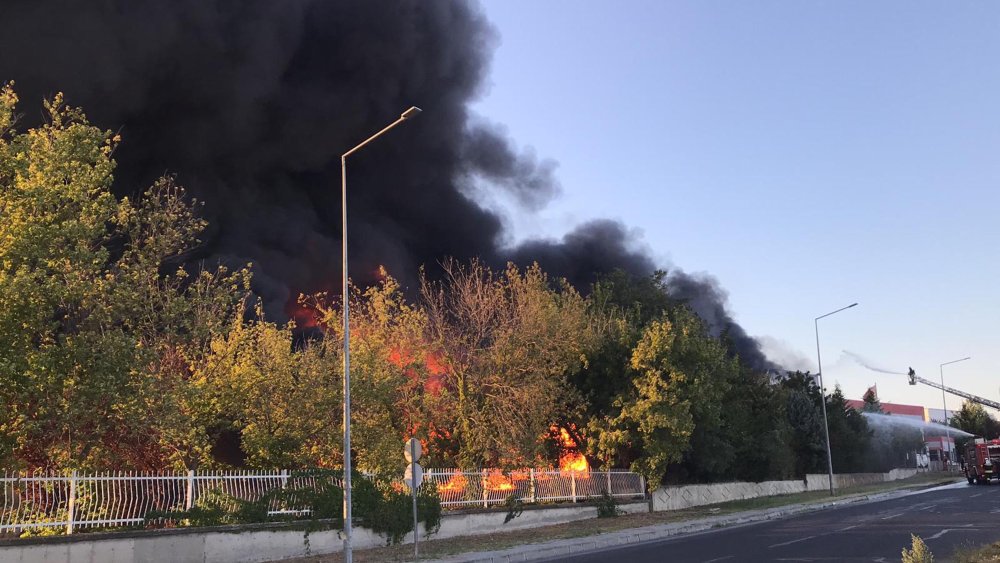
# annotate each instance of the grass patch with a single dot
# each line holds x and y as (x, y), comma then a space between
(977, 554)
(431, 549)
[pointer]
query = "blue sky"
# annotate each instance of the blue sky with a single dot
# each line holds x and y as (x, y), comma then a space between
(806, 154)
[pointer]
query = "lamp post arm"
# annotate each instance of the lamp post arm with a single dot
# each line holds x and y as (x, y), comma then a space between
(372, 138)
(837, 311)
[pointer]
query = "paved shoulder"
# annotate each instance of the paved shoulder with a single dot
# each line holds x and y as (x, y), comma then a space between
(735, 537)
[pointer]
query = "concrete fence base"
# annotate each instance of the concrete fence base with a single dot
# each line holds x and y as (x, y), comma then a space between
(675, 498)
(263, 542)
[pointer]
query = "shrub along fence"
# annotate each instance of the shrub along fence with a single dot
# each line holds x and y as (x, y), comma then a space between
(32, 502)
(51, 503)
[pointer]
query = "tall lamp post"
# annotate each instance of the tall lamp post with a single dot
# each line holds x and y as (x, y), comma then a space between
(826, 423)
(944, 403)
(348, 553)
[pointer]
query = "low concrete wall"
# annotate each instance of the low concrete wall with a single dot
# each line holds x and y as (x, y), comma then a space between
(675, 498)
(228, 544)
(489, 522)
(821, 481)
(263, 542)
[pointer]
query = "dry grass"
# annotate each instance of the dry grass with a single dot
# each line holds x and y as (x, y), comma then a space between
(432, 549)
(977, 555)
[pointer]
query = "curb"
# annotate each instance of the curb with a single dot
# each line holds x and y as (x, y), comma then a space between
(600, 542)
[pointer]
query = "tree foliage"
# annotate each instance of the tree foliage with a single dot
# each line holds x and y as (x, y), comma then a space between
(118, 350)
(871, 402)
(508, 340)
(98, 319)
(974, 419)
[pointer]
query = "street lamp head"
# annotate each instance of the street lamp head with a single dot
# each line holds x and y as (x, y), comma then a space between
(852, 305)
(410, 113)
(956, 361)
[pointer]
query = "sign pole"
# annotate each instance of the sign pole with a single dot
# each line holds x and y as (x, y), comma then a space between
(414, 477)
(413, 489)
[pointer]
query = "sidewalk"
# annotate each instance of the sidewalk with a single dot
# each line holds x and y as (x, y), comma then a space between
(577, 546)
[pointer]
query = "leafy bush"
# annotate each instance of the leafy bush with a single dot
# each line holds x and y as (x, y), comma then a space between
(381, 505)
(918, 552)
(514, 508)
(214, 508)
(607, 506)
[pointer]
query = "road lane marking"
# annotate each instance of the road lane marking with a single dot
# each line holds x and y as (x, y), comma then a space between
(848, 528)
(720, 559)
(979, 495)
(892, 516)
(790, 542)
(963, 528)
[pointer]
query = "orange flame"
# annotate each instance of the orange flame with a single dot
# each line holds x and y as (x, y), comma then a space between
(497, 481)
(456, 483)
(571, 460)
(304, 316)
(435, 367)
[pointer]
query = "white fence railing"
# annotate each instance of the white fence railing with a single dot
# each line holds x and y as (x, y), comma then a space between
(102, 500)
(459, 489)
(106, 500)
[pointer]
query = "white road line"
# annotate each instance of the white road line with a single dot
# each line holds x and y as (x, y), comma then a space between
(946, 530)
(847, 528)
(978, 495)
(720, 559)
(892, 516)
(790, 542)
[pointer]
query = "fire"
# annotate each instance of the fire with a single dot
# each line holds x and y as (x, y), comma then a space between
(571, 460)
(304, 316)
(434, 366)
(497, 481)
(456, 483)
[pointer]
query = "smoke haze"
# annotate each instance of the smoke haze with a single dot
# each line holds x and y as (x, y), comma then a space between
(251, 104)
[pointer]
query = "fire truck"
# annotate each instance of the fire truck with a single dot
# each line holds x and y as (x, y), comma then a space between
(981, 461)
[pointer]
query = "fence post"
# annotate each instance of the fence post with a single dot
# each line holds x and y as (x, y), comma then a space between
(572, 484)
(189, 491)
(71, 505)
(609, 483)
(486, 492)
(531, 486)
(284, 479)
(642, 485)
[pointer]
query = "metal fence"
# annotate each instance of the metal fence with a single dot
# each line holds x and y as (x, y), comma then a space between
(106, 500)
(459, 489)
(64, 503)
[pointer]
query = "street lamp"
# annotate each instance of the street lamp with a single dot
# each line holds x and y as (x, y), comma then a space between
(944, 403)
(408, 114)
(822, 395)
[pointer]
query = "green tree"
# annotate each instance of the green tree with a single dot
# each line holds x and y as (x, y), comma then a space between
(98, 321)
(678, 379)
(974, 419)
(850, 436)
(871, 402)
(508, 341)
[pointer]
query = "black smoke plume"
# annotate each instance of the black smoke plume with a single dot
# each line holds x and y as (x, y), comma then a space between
(251, 103)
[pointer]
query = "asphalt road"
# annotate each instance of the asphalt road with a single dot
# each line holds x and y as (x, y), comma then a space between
(946, 518)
